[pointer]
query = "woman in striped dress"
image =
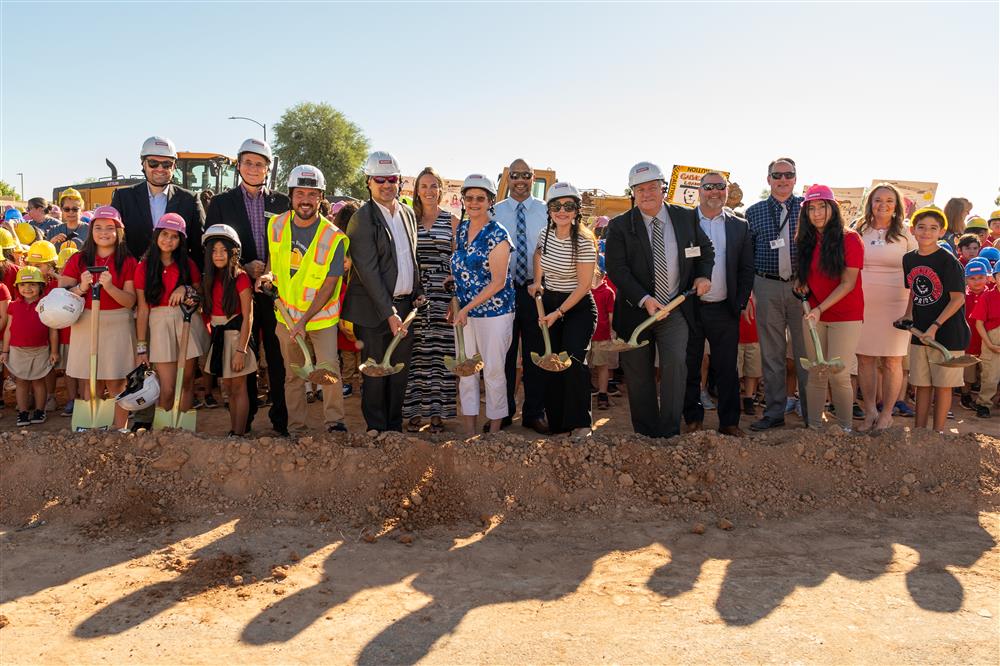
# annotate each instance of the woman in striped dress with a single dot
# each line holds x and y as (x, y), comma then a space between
(430, 387)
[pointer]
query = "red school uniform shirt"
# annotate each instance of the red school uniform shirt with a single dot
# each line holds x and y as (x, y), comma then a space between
(975, 341)
(852, 306)
(75, 267)
(748, 329)
(9, 276)
(242, 282)
(171, 274)
(4, 292)
(27, 330)
(987, 310)
(604, 297)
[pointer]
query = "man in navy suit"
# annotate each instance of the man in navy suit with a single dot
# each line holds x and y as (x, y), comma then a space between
(653, 254)
(717, 312)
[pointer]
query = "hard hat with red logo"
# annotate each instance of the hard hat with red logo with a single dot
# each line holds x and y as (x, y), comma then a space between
(108, 213)
(306, 176)
(560, 190)
(158, 146)
(479, 181)
(643, 172)
(172, 222)
(818, 193)
(41, 252)
(257, 147)
(381, 163)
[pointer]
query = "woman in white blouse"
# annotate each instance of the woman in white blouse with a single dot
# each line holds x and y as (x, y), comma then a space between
(886, 238)
(564, 264)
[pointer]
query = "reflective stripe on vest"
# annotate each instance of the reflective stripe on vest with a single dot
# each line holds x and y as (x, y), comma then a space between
(312, 271)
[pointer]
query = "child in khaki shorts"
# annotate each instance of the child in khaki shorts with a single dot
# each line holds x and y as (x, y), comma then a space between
(748, 364)
(986, 317)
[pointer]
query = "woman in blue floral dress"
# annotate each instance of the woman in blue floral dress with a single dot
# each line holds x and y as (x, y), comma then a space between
(480, 268)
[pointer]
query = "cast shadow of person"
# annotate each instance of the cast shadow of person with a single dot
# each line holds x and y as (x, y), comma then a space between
(767, 565)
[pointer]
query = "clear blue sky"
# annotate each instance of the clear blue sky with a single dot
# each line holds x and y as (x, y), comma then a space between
(852, 91)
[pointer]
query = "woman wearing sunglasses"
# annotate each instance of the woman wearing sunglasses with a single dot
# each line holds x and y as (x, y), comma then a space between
(564, 262)
(72, 228)
(485, 294)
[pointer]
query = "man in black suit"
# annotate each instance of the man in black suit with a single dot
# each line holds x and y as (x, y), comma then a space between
(143, 204)
(653, 253)
(717, 312)
(246, 208)
(384, 285)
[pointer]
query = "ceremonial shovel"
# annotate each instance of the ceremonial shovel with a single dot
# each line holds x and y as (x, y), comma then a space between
(820, 365)
(462, 366)
(549, 360)
(619, 345)
(950, 360)
(385, 368)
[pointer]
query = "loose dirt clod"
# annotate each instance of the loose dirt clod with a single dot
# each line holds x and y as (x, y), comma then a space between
(698, 528)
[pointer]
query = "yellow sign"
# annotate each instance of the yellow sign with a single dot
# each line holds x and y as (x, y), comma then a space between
(685, 183)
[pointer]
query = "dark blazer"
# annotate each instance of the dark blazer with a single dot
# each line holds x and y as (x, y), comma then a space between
(373, 273)
(133, 204)
(628, 258)
(739, 262)
(229, 208)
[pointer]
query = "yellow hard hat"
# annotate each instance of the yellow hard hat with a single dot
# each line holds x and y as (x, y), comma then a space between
(6, 240)
(25, 232)
(69, 193)
(931, 210)
(29, 274)
(67, 251)
(41, 252)
(995, 215)
(976, 222)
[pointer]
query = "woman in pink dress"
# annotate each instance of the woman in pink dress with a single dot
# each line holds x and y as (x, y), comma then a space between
(886, 238)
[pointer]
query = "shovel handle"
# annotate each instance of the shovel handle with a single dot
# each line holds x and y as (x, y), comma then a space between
(289, 322)
(659, 315)
(545, 329)
(95, 286)
(396, 338)
(459, 335)
(907, 325)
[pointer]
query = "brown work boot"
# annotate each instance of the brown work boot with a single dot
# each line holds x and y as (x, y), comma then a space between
(694, 426)
(732, 431)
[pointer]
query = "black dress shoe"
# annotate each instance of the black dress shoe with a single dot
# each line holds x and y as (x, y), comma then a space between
(766, 423)
(538, 425)
(504, 422)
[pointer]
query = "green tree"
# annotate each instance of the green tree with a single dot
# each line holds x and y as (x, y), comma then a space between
(320, 135)
(7, 190)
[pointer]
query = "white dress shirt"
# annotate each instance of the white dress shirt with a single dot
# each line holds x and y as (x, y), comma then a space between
(535, 219)
(669, 249)
(404, 256)
(715, 229)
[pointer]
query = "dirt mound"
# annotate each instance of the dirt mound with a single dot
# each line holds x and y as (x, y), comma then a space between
(108, 482)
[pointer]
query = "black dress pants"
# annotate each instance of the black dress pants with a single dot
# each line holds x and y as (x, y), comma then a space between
(716, 323)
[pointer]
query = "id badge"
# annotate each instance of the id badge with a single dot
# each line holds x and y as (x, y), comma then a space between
(692, 252)
(777, 243)
(878, 242)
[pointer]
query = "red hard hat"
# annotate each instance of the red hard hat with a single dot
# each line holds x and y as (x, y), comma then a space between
(172, 222)
(108, 213)
(819, 193)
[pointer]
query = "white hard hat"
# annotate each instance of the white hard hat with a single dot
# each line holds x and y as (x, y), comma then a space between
(158, 146)
(381, 163)
(257, 147)
(142, 389)
(60, 308)
(480, 181)
(217, 231)
(560, 190)
(306, 175)
(643, 172)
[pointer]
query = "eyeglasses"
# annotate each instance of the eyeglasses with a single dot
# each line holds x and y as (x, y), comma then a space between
(708, 187)
(778, 175)
(71, 210)
(520, 175)
(474, 198)
(251, 165)
(157, 164)
(568, 206)
(382, 180)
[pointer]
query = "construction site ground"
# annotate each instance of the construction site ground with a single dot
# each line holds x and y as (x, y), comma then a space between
(802, 546)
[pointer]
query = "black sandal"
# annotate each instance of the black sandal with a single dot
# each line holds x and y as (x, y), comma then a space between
(602, 401)
(414, 425)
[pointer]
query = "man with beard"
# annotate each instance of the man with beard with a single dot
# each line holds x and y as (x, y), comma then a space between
(246, 208)
(306, 265)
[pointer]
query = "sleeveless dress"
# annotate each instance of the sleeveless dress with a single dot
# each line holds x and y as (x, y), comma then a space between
(430, 387)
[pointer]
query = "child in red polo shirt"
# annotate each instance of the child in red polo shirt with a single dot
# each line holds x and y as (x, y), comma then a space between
(748, 362)
(600, 357)
(986, 320)
(977, 279)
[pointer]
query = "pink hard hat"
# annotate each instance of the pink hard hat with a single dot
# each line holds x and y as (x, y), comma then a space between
(335, 207)
(819, 193)
(172, 222)
(602, 221)
(108, 213)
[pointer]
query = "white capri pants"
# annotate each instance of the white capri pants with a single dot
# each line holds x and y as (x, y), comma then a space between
(490, 337)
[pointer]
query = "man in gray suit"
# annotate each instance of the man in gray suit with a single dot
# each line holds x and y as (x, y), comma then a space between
(384, 285)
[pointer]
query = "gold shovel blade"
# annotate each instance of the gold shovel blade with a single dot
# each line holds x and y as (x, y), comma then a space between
(92, 417)
(164, 418)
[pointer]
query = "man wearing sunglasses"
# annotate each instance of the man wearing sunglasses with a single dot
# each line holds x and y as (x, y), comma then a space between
(653, 254)
(773, 223)
(141, 205)
(384, 287)
(246, 208)
(524, 217)
(717, 312)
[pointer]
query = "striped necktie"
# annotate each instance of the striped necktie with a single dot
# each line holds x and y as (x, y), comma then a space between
(521, 261)
(661, 275)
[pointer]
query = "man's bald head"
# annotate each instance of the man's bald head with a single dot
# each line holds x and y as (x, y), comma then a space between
(519, 165)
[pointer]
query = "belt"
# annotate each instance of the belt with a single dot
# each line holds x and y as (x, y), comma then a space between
(403, 298)
(772, 276)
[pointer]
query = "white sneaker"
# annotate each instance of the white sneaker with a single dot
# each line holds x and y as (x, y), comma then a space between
(50, 404)
(706, 400)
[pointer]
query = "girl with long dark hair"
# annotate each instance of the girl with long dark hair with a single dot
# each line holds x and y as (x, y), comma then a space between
(830, 258)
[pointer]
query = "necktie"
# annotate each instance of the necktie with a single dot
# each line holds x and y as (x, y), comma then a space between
(660, 274)
(785, 251)
(521, 261)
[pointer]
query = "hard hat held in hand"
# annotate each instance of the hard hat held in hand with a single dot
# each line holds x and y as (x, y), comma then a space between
(643, 172)
(257, 147)
(381, 163)
(60, 308)
(307, 176)
(142, 389)
(158, 146)
(41, 252)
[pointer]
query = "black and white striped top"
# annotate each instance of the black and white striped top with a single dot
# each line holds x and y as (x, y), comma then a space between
(557, 260)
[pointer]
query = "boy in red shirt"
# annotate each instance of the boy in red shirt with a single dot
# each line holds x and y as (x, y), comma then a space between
(748, 364)
(986, 320)
(977, 279)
